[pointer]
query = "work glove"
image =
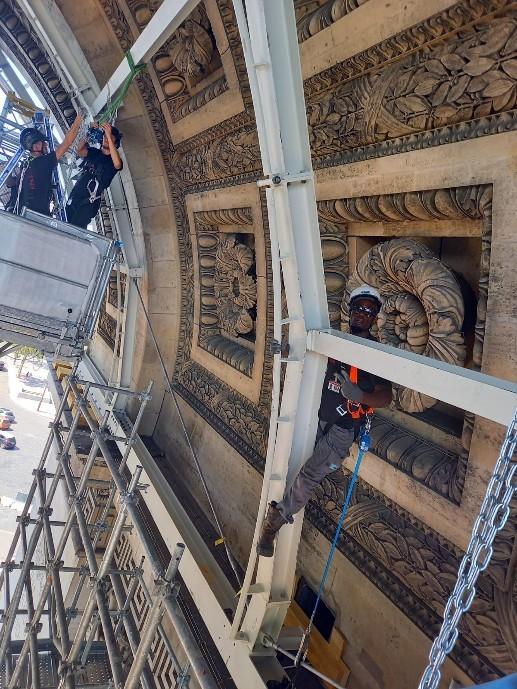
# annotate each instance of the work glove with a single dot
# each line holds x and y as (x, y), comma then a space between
(349, 390)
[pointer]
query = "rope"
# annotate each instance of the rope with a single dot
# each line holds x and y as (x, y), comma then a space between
(364, 445)
(134, 71)
(193, 452)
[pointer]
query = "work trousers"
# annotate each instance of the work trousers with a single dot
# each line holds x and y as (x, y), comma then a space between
(331, 448)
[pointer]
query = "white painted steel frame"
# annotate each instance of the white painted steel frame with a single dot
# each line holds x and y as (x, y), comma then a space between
(487, 396)
(268, 34)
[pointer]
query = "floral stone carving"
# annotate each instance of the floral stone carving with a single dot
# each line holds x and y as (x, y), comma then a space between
(451, 84)
(235, 290)
(423, 307)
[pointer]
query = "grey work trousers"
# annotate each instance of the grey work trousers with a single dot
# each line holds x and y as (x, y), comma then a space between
(330, 450)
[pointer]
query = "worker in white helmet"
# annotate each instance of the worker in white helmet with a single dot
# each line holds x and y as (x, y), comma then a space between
(348, 395)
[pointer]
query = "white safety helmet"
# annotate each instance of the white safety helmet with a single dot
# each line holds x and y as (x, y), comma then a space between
(366, 292)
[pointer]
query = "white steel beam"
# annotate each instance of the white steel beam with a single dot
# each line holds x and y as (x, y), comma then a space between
(163, 24)
(483, 395)
(268, 34)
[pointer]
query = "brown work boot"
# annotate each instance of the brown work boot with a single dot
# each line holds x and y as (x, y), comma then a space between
(270, 526)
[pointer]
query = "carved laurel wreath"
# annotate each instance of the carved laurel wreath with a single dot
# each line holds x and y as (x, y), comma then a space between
(423, 307)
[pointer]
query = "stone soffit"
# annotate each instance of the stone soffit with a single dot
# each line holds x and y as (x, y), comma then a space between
(446, 79)
(386, 542)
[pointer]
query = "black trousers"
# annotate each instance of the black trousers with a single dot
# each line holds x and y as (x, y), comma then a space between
(80, 214)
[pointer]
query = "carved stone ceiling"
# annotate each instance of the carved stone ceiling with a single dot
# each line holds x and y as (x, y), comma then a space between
(450, 78)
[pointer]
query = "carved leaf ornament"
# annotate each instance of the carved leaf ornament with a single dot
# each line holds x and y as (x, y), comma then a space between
(463, 80)
(235, 290)
(423, 307)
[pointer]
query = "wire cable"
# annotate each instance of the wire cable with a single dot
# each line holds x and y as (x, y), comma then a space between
(230, 557)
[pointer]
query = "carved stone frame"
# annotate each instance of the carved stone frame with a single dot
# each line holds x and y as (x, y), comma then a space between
(409, 214)
(217, 210)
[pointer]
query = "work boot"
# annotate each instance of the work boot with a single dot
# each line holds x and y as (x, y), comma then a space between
(270, 526)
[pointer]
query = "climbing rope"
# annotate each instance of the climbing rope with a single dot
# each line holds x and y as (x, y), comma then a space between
(221, 539)
(364, 446)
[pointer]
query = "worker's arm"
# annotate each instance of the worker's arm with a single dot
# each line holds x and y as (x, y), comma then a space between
(69, 137)
(115, 155)
(380, 397)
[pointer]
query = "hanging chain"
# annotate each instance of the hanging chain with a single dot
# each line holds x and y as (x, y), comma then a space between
(492, 517)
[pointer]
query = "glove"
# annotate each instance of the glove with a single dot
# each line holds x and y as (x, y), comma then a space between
(349, 390)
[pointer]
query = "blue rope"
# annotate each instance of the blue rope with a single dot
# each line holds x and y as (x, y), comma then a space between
(364, 445)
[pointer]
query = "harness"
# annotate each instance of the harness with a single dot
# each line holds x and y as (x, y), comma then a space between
(92, 189)
(356, 409)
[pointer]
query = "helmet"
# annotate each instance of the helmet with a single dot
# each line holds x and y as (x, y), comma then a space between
(31, 136)
(366, 292)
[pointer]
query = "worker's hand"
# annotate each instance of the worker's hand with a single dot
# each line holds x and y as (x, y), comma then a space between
(107, 131)
(349, 390)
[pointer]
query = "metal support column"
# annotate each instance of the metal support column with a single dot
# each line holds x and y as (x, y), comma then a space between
(268, 34)
(162, 592)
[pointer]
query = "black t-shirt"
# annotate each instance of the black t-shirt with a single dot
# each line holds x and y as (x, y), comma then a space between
(97, 171)
(36, 191)
(331, 396)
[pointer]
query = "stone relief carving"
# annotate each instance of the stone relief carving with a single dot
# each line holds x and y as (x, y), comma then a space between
(191, 48)
(390, 441)
(106, 328)
(469, 77)
(334, 247)
(186, 61)
(423, 308)
(356, 111)
(228, 288)
(235, 290)
(113, 290)
(312, 17)
(216, 163)
(397, 552)
(20, 38)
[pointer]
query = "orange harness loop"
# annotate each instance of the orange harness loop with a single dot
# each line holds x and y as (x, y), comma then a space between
(356, 409)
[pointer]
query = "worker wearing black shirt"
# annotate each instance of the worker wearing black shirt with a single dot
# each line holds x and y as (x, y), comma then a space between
(99, 167)
(35, 186)
(347, 395)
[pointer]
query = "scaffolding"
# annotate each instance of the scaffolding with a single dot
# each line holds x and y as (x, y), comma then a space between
(85, 647)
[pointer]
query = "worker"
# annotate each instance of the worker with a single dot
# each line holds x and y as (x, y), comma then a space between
(348, 395)
(99, 167)
(35, 185)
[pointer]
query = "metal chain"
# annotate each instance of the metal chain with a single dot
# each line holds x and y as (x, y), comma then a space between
(492, 517)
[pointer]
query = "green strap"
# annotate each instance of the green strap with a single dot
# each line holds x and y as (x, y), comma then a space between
(134, 71)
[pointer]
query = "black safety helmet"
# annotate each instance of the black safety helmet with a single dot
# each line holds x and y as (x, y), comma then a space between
(31, 136)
